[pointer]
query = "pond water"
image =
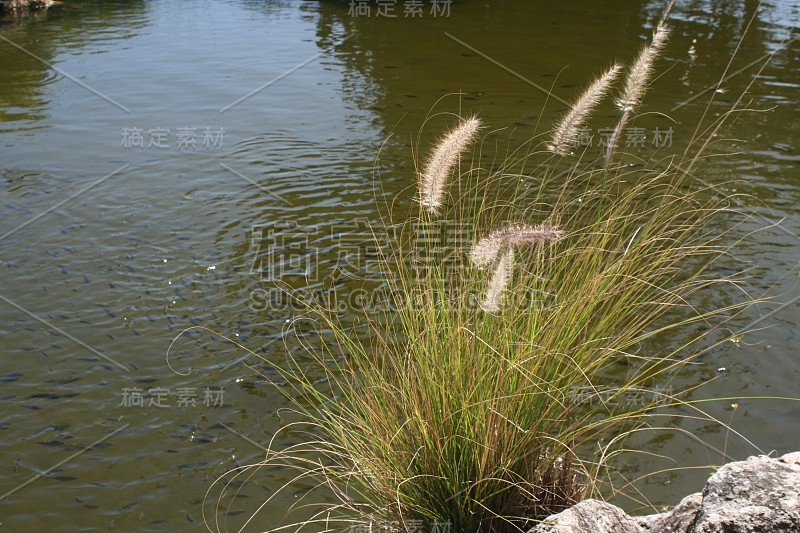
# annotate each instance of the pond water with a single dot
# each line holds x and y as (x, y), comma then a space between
(158, 158)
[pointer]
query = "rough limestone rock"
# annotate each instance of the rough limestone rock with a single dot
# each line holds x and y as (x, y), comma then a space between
(753, 496)
(679, 519)
(760, 494)
(589, 515)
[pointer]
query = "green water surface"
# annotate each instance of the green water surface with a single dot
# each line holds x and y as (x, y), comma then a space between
(162, 162)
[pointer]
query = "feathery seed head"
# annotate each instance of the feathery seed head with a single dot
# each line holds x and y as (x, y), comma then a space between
(488, 249)
(567, 130)
(636, 85)
(640, 71)
(441, 162)
(500, 278)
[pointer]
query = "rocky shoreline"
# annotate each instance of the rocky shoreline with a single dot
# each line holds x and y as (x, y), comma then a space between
(14, 5)
(761, 494)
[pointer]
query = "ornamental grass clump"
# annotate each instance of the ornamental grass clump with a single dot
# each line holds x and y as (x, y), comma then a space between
(454, 407)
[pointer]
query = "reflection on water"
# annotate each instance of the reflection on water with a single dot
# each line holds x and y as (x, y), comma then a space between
(143, 171)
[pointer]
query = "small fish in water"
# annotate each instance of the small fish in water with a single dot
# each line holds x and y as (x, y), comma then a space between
(781, 147)
(51, 443)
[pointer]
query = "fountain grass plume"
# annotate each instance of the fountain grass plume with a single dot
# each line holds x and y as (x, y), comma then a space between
(449, 149)
(636, 84)
(567, 130)
(488, 249)
(501, 277)
(641, 70)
